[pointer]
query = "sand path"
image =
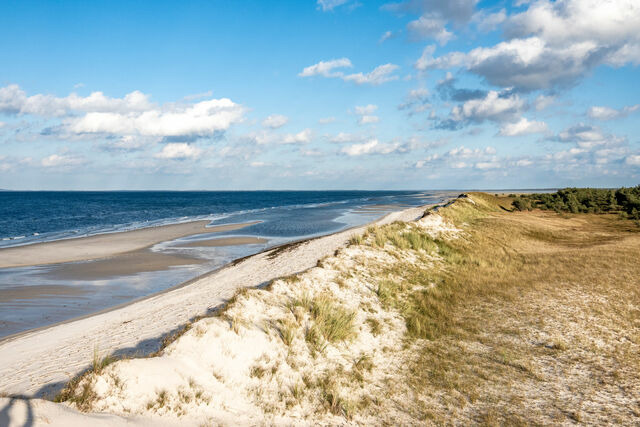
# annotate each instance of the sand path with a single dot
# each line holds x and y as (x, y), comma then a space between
(38, 363)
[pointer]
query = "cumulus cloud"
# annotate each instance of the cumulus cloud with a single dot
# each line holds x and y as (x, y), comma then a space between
(380, 74)
(495, 107)
(607, 113)
(372, 146)
(14, 100)
(523, 127)
(416, 101)
(462, 157)
(387, 35)
(326, 68)
(179, 151)
(434, 16)
(429, 27)
(275, 121)
(329, 5)
(366, 119)
(447, 90)
(365, 109)
(543, 101)
(458, 11)
(552, 44)
(326, 120)
(263, 138)
(587, 137)
(301, 137)
(633, 160)
(133, 115)
(127, 143)
(366, 115)
(487, 22)
(343, 137)
(61, 161)
(202, 118)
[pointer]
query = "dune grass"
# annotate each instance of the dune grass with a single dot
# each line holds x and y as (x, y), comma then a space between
(516, 307)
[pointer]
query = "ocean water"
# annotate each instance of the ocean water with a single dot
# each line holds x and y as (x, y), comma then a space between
(28, 217)
(37, 296)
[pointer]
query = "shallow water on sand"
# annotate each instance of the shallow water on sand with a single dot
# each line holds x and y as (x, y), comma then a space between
(36, 296)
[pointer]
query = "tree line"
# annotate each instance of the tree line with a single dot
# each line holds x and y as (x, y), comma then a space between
(624, 201)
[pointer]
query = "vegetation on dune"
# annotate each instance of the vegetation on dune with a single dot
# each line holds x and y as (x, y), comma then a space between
(625, 201)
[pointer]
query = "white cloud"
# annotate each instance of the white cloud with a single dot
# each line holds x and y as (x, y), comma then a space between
(343, 137)
(380, 74)
(371, 147)
(427, 161)
(365, 109)
(457, 11)
(325, 68)
(275, 121)
(553, 44)
(301, 137)
(200, 95)
(543, 101)
(366, 114)
(607, 113)
(495, 106)
(61, 161)
(329, 5)
(264, 137)
(386, 36)
(128, 143)
(367, 119)
(132, 115)
(179, 151)
(633, 160)
(326, 120)
(416, 101)
(14, 100)
(523, 127)
(257, 164)
(429, 27)
(587, 137)
(488, 165)
(488, 22)
(311, 153)
(200, 119)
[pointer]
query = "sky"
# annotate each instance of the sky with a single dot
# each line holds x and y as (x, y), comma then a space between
(319, 95)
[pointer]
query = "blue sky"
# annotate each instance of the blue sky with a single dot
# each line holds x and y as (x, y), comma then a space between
(327, 94)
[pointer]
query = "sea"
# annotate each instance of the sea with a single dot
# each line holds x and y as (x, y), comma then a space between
(37, 296)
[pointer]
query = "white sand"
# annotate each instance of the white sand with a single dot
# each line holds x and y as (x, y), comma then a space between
(56, 354)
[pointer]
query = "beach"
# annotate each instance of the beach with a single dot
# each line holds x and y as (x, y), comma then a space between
(40, 362)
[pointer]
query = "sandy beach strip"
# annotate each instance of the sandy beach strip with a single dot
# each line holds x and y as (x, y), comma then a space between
(104, 245)
(40, 362)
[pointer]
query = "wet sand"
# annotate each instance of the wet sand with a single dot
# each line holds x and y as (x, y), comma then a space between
(15, 293)
(226, 241)
(131, 263)
(104, 245)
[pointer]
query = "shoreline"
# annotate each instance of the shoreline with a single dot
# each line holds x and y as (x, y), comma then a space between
(142, 323)
(105, 245)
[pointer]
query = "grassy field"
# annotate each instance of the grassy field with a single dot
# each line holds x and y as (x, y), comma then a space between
(535, 318)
